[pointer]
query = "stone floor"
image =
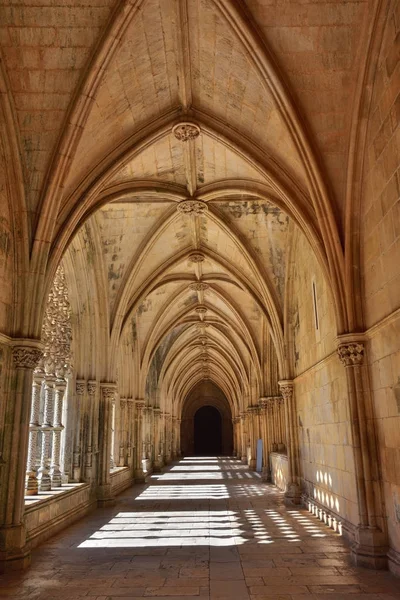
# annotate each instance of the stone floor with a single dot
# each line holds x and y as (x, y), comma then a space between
(205, 528)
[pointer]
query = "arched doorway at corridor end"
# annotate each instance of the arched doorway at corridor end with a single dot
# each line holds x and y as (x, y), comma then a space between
(213, 411)
(207, 431)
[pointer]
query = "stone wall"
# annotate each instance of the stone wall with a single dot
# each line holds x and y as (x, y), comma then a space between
(384, 359)
(326, 457)
(380, 262)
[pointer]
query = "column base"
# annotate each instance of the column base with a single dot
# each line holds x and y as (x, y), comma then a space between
(244, 460)
(31, 485)
(158, 465)
(266, 475)
(147, 466)
(252, 464)
(292, 495)
(44, 483)
(140, 477)
(394, 562)
(369, 549)
(105, 497)
(56, 479)
(14, 553)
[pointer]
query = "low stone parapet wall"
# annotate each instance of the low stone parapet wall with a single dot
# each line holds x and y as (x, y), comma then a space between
(279, 469)
(49, 513)
(121, 479)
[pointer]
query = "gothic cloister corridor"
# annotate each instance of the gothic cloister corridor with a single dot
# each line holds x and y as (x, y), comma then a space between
(205, 528)
(199, 257)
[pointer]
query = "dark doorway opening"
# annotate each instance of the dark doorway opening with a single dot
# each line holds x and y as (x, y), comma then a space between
(207, 431)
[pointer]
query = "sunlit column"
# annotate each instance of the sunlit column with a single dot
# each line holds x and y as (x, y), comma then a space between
(243, 436)
(91, 444)
(139, 405)
(46, 429)
(168, 437)
(370, 536)
(157, 442)
(80, 390)
(31, 482)
(122, 432)
(130, 431)
(112, 447)
(265, 437)
(293, 493)
(16, 397)
(107, 398)
(55, 471)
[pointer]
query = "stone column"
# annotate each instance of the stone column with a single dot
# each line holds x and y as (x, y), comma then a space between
(139, 474)
(157, 441)
(112, 447)
(46, 427)
(80, 390)
(107, 397)
(243, 438)
(31, 482)
(21, 361)
(293, 492)
(266, 472)
(370, 547)
(251, 415)
(130, 431)
(90, 447)
(55, 471)
(122, 432)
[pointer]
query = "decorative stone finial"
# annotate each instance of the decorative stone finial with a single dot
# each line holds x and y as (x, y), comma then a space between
(192, 207)
(186, 131)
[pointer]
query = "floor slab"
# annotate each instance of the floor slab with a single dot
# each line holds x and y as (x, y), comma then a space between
(206, 529)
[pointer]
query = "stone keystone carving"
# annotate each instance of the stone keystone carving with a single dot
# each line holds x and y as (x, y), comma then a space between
(351, 354)
(202, 325)
(196, 257)
(201, 310)
(25, 357)
(186, 131)
(192, 207)
(199, 286)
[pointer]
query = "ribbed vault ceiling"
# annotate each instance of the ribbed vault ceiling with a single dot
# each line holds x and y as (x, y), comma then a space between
(198, 291)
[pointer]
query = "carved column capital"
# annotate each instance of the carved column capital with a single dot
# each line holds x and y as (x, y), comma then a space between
(108, 391)
(286, 388)
(91, 387)
(80, 387)
(351, 351)
(26, 354)
(140, 405)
